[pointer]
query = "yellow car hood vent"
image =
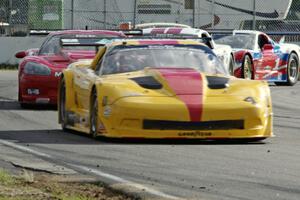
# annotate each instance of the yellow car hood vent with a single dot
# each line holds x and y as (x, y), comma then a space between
(148, 82)
(216, 82)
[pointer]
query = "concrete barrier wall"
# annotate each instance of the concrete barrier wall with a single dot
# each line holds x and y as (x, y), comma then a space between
(10, 45)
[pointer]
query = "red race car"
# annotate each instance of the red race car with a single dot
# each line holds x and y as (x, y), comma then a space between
(41, 68)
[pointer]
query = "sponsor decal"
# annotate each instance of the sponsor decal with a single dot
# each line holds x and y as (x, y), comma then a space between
(195, 134)
(85, 36)
(57, 74)
(33, 91)
(158, 31)
(174, 30)
(107, 111)
(156, 42)
(64, 40)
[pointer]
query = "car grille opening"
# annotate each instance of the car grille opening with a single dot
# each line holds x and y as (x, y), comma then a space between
(204, 125)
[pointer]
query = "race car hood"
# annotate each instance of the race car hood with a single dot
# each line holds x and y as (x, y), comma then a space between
(187, 86)
(182, 83)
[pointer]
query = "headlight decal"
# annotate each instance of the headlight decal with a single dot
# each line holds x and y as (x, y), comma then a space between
(107, 111)
(250, 100)
(33, 68)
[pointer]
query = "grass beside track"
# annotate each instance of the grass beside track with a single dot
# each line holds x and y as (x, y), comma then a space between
(8, 67)
(34, 186)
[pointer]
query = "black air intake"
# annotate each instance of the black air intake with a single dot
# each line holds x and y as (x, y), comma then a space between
(148, 82)
(215, 82)
(205, 125)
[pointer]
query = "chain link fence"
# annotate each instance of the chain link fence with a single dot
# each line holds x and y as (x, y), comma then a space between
(17, 17)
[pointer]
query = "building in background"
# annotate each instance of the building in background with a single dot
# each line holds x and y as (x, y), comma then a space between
(218, 14)
(23, 15)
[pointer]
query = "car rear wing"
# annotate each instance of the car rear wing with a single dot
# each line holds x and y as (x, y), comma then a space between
(133, 32)
(205, 40)
(40, 32)
(85, 42)
(43, 32)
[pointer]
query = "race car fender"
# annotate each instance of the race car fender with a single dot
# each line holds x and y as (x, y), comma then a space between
(288, 48)
(67, 77)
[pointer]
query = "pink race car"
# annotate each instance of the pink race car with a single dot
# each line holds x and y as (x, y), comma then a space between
(41, 68)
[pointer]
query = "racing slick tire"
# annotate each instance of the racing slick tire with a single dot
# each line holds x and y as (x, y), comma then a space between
(247, 68)
(292, 71)
(94, 115)
(62, 105)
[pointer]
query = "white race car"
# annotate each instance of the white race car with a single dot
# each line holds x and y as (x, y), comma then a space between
(224, 52)
(259, 57)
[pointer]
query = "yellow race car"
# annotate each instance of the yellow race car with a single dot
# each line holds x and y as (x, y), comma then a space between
(162, 88)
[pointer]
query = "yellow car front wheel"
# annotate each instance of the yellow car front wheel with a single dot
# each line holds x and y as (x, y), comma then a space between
(62, 105)
(94, 115)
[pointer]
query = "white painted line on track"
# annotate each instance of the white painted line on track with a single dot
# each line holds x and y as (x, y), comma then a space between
(22, 148)
(124, 181)
(96, 172)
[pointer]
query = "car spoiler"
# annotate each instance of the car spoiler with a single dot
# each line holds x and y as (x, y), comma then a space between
(206, 40)
(130, 32)
(88, 41)
(41, 32)
(133, 32)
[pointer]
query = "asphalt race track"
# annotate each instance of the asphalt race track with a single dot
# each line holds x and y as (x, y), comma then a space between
(188, 170)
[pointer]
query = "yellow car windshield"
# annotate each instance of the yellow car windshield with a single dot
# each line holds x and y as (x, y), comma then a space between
(134, 58)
